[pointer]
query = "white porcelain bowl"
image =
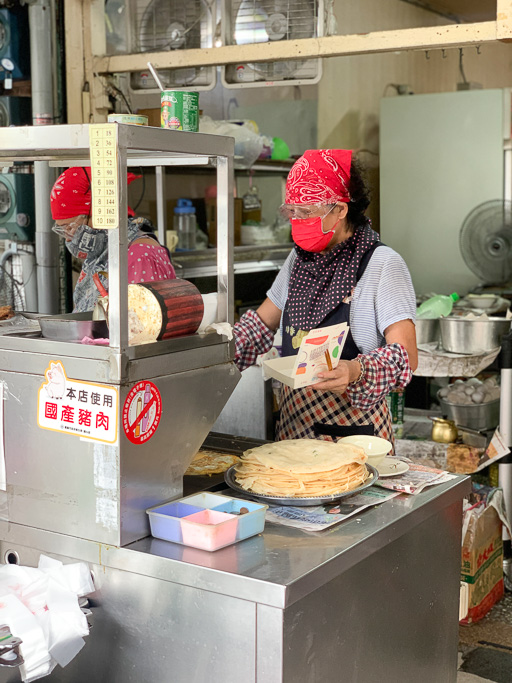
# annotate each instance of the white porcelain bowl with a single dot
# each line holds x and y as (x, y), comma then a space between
(482, 300)
(375, 448)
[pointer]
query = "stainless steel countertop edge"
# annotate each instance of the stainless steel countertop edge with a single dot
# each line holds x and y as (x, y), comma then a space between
(12, 536)
(375, 541)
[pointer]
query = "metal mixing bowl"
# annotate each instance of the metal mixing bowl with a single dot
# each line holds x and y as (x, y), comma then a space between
(464, 335)
(478, 416)
(427, 330)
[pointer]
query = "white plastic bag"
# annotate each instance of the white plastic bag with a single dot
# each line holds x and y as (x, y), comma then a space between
(40, 606)
(248, 144)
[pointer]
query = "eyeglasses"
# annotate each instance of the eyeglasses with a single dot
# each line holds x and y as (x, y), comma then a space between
(290, 211)
(68, 229)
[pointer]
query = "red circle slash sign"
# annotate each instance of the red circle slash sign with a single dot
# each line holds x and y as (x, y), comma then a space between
(142, 411)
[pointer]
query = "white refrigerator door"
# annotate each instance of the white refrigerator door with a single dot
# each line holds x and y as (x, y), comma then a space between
(440, 156)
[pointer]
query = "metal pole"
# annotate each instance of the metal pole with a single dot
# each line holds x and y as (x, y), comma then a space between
(161, 215)
(28, 264)
(118, 260)
(47, 255)
(225, 239)
(505, 464)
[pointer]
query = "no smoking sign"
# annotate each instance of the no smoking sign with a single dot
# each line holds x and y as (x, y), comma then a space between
(142, 411)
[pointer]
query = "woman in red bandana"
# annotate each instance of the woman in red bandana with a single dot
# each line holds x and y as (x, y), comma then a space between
(70, 202)
(338, 272)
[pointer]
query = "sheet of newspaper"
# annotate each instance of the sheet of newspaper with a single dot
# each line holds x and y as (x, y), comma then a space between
(494, 451)
(322, 517)
(415, 479)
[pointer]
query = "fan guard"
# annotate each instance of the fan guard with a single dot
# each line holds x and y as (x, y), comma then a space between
(264, 21)
(486, 241)
(172, 25)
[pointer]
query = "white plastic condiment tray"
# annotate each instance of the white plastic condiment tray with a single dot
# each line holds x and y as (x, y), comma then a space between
(208, 521)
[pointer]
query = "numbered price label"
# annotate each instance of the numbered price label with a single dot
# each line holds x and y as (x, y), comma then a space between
(105, 196)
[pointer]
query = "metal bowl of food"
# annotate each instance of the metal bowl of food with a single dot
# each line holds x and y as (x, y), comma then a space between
(73, 327)
(427, 330)
(472, 335)
(479, 417)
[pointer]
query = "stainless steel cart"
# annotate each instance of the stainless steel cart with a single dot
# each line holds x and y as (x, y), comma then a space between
(376, 599)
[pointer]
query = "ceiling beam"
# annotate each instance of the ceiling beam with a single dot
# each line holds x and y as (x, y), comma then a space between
(504, 19)
(426, 38)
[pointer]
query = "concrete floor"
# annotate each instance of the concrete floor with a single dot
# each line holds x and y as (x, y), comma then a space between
(485, 648)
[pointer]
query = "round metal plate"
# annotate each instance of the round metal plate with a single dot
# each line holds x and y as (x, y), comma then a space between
(229, 478)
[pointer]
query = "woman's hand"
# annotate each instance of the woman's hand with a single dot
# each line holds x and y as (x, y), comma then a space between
(337, 380)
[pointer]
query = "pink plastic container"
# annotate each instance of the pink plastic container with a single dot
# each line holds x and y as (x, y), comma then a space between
(209, 529)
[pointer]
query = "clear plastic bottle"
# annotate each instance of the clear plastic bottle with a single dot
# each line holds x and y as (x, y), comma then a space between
(185, 224)
(437, 306)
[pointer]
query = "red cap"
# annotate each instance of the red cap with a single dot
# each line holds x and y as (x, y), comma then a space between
(71, 193)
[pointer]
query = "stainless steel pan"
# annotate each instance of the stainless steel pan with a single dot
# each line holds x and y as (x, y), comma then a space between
(472, 336)
(73, 327)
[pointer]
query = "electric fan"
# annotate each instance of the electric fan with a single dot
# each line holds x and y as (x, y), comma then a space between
(160, 25)
(486, 241)
(263, 21)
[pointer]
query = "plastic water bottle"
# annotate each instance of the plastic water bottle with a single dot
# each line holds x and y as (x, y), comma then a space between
(185, 224)
(437, 306)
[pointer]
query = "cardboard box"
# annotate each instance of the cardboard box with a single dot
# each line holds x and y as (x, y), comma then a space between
(153, 116)
(211, 220)
(301, 370)
(482, 563)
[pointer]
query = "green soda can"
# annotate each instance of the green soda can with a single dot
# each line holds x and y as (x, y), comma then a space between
(396, 405)
(180, 110)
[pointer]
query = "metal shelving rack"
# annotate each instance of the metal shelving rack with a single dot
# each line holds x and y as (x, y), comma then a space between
(137, 146)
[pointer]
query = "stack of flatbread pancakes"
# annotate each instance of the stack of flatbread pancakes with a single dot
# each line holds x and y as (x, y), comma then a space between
(302, 468)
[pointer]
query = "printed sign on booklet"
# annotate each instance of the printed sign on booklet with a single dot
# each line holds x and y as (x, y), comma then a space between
(319, 351)
(78, 408)
(142, 411)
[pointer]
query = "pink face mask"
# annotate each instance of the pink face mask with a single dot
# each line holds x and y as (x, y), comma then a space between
(307, 233)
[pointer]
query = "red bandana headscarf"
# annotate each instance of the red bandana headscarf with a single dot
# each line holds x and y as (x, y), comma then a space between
(320, 176)
(71, 193)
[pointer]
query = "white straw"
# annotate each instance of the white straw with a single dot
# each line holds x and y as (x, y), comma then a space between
(155, 76)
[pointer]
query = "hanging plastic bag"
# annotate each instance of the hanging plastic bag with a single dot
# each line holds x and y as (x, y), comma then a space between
(41, 608)
(248, 144)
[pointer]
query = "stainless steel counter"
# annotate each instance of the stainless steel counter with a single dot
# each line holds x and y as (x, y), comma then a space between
(294, 597)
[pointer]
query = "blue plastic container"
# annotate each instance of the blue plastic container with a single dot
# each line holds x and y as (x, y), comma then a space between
(250, 523)
(165, 520)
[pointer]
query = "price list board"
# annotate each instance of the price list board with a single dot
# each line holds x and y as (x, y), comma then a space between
(104, 177)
